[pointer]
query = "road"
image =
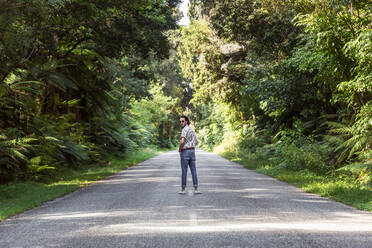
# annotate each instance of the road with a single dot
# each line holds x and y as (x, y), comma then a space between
(140, 207)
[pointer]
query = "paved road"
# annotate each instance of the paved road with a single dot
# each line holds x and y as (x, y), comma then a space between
(140, 207)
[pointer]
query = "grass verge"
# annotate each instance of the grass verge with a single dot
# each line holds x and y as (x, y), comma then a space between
(18, 197)
(342, 189)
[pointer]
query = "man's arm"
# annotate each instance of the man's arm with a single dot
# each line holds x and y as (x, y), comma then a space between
(182, 142)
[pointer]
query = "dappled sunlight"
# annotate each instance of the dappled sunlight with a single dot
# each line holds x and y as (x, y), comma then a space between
(197, 224)
(310, 201)
(258, 196)
(141, 180)
(255, 189)
(135, 171)
(198, 221)
(82, 215)
(230, 190)
(163, 156)
(213, 184)
(143, 202)
(356, 216)
(140, 228)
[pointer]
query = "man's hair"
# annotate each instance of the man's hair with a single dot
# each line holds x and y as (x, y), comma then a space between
(185, 117)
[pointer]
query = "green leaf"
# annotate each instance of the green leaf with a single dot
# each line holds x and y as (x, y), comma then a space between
(36, 160)
(60, 80)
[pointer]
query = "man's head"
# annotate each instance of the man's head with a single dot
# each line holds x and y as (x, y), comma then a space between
(184, 121)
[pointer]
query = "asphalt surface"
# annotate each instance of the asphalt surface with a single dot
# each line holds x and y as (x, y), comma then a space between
(140, 207)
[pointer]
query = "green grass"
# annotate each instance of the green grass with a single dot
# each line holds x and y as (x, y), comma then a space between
(342, 189)
(18, 197)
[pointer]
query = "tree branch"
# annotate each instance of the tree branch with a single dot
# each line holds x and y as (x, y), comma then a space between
(73, 47)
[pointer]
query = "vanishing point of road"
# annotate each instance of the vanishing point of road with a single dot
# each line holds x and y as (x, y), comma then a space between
(140, 207)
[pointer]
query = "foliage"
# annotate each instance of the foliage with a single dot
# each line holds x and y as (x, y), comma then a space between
(17, 197)
(156, 119)
(297, 74)
(69, 72)
(357, 139)
(200, 59)
(213, 123)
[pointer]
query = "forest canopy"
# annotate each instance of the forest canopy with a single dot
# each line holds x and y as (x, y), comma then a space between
(288, 83)
(70, 72)
(284, 83)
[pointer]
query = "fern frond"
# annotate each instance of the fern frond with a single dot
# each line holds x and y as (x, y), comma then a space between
(60, 81)
(16, 155)
(338, 128)
(356, 167)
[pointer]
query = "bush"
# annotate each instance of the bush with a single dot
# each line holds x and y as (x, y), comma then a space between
(308, 157)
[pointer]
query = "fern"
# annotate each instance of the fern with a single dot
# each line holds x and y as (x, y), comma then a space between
(356, 137)
(356, 167)
(13, 154)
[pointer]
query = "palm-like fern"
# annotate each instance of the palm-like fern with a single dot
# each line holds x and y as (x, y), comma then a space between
(13, 156)
(357, 138)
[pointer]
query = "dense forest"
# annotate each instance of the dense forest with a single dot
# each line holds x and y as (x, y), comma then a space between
(283, 83)
(81, 80)
(286, 83)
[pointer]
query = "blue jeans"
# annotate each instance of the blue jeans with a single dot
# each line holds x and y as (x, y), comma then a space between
(188, 159)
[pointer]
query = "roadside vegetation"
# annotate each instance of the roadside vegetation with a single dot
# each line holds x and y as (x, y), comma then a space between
(285, 88)
(86, 87)
(340, 185)
(17, 197)
(71, 73)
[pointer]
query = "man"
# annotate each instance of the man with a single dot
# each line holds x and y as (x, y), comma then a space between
(188, 143)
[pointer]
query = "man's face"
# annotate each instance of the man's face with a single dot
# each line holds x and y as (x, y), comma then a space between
(183, 122)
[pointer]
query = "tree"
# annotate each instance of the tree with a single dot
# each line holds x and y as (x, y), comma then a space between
(69, 70)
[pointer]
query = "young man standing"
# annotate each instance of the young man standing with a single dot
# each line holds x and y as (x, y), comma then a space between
(188, 143)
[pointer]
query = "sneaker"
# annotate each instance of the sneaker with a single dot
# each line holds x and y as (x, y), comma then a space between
(196, 192)
(182, 192)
